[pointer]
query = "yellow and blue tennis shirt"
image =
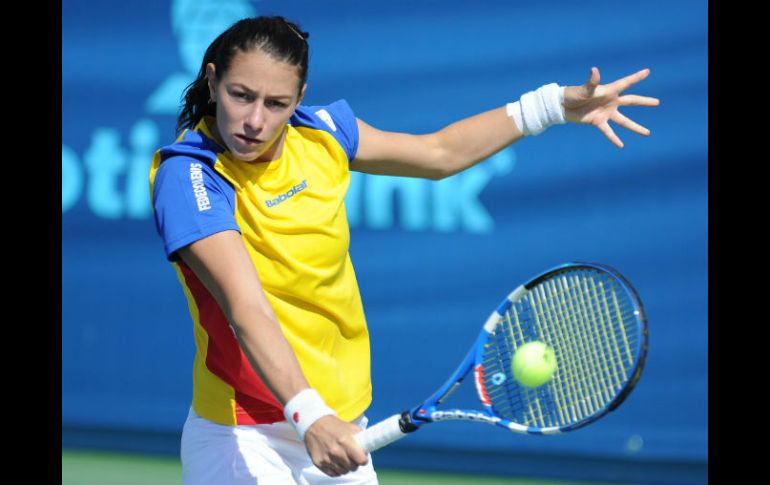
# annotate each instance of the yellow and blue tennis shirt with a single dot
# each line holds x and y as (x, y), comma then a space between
(291, 215)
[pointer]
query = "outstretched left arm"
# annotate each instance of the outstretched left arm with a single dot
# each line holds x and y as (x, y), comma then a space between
(469, 141)
(435, 155)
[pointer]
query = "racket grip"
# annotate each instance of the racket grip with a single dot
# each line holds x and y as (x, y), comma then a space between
(383, 433)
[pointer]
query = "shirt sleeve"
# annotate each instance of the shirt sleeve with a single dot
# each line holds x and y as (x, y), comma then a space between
(336, 119)
(347, 127)
(190, 201)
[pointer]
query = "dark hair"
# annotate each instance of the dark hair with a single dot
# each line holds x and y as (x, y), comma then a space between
(275, 36)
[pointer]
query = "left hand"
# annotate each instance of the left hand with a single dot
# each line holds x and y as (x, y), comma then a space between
(596, 104)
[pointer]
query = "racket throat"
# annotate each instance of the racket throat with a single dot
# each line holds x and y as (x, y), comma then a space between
(449, 391)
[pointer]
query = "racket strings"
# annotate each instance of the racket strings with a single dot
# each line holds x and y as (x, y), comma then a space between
(590, 322)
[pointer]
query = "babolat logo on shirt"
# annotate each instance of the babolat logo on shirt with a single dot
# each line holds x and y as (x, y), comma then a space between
(290, 193)
(199, 189)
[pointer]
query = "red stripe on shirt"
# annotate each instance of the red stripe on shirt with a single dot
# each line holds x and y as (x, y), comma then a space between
(254, 403)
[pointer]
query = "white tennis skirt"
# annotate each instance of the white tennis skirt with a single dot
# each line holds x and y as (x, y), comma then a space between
(264, 454)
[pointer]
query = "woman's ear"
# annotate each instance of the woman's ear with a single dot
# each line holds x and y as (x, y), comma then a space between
(301, 94)
(211, 78)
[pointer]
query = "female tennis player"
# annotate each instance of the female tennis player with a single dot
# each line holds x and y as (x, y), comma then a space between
(249, 204)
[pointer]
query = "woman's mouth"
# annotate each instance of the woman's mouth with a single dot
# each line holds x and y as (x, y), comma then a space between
(249, 141)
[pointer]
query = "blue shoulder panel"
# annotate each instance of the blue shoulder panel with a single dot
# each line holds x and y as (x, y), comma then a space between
(191, 200)
(337, 119)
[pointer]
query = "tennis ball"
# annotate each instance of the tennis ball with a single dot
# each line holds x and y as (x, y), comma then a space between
(533, 364)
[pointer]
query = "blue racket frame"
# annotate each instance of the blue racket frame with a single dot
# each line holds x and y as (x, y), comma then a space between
(428, 411)
(398, 426)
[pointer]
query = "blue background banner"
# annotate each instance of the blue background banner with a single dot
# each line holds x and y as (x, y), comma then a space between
(432, 258)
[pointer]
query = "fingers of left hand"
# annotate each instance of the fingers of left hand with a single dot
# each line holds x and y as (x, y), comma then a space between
(626, 82)
(609, 133)
(629, 124)
(634, 100)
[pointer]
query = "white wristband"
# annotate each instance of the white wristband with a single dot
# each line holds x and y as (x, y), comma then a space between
(304, 409)
(537, 110)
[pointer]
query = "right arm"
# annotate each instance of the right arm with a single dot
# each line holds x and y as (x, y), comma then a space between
(224, 266)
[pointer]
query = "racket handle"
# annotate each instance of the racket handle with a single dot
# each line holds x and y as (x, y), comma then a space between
(383, 433)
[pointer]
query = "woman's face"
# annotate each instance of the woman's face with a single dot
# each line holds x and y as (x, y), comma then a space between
(255, 99)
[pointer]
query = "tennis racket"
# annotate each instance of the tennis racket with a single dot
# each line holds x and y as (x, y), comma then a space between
(592, 319)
